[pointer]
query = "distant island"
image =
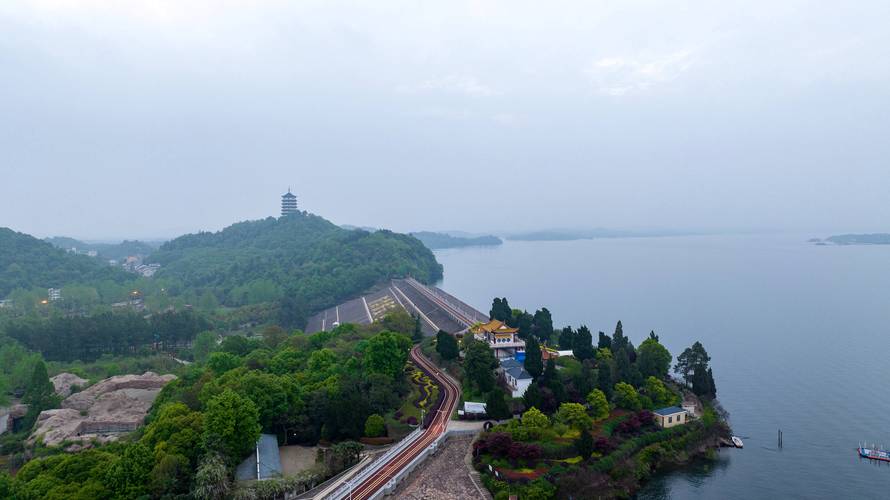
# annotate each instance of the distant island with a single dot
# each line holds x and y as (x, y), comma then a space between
(855, 239)
(587, 234)
(439, 241)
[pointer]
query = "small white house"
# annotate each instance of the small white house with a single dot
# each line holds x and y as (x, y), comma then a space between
(518, 379)
(670, 417)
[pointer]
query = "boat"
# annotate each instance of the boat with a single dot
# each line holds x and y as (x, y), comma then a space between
(737, 441)
(873, 453)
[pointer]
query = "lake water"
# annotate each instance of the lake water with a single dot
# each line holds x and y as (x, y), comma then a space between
(799, 337)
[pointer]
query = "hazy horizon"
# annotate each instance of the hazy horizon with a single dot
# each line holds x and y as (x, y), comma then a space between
(131, 120)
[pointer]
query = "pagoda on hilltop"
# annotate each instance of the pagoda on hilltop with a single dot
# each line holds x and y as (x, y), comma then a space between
(288, 203)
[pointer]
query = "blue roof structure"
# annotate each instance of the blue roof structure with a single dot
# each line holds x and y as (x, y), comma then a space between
(268, 465)
(670, 410)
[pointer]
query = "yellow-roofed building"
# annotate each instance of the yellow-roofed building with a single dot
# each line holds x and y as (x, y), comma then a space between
(500, 337)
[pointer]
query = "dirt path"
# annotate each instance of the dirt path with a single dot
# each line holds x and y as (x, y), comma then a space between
(443, 476)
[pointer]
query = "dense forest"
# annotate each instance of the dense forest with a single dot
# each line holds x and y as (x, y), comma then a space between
(301, 256)
(304, 388)
(27, 262)
(437, 241)
(86, 338)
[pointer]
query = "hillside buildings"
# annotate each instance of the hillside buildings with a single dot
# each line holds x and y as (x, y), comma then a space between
(288, 203)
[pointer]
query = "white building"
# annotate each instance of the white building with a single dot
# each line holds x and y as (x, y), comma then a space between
(515, 376)
(54, 294)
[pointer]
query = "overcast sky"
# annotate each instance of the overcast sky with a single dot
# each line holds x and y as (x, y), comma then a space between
(150, 119)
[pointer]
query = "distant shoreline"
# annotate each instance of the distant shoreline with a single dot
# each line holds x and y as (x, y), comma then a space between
(854, 239)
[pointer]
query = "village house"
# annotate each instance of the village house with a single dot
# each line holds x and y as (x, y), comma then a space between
(670, 417)
(515, 376)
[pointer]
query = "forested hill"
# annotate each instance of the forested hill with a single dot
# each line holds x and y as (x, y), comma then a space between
(27, 262)
(436, 241)
(116, 251)
(301, 256)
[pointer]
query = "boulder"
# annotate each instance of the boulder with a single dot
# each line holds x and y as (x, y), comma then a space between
(64, 381)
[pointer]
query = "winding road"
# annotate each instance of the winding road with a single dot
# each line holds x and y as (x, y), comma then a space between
(372, 484)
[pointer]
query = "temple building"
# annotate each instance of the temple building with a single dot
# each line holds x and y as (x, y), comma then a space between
(288, 203)
(502, 339)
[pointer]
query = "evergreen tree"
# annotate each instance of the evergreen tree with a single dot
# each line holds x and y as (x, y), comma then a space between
(501, 311)
(39, 394)
(619, 341)
(622, 364)
(553, 382)
(525, 322)
(567, 339)
(534, 364)
(653, 359)
(584, 445)
(604, 342)
(604, 378)
(533, 397)
(583, 345)
(692, 359)
(479, 364)
(446, 345)
(417, 334)
(711, 383)
(496, 406)
(543, 325)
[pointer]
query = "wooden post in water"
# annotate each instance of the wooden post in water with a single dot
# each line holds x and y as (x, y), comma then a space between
(780, 438)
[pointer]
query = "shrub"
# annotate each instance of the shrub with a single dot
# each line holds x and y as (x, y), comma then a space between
(375, 426)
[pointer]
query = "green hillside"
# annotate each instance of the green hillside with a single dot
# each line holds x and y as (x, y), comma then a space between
(27, 262)
(301, 257)
(437, 241)
(116, 251)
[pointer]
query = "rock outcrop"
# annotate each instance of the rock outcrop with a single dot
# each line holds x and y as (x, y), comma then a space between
(102, 412)
(64, 382)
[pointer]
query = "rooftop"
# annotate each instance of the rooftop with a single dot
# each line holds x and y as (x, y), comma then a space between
(493, 326)
(509, 363)
(670, 410)
(268, 465)
(519, 373)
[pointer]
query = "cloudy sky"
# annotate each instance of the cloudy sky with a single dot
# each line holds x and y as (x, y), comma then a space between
(149, 119)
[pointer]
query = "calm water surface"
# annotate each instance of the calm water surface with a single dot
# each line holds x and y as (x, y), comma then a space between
(799, 337)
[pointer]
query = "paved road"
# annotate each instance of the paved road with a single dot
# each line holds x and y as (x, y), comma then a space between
(374, 482)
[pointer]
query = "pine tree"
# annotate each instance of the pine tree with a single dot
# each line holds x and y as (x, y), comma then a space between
(583, 345)
(604, 378)
(604, 341)
(534, 364)
(446, 345)
(567, 339)
(532, 396)
(496, 406)
(417, 334)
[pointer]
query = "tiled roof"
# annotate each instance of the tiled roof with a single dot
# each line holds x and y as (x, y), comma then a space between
(519, 373)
